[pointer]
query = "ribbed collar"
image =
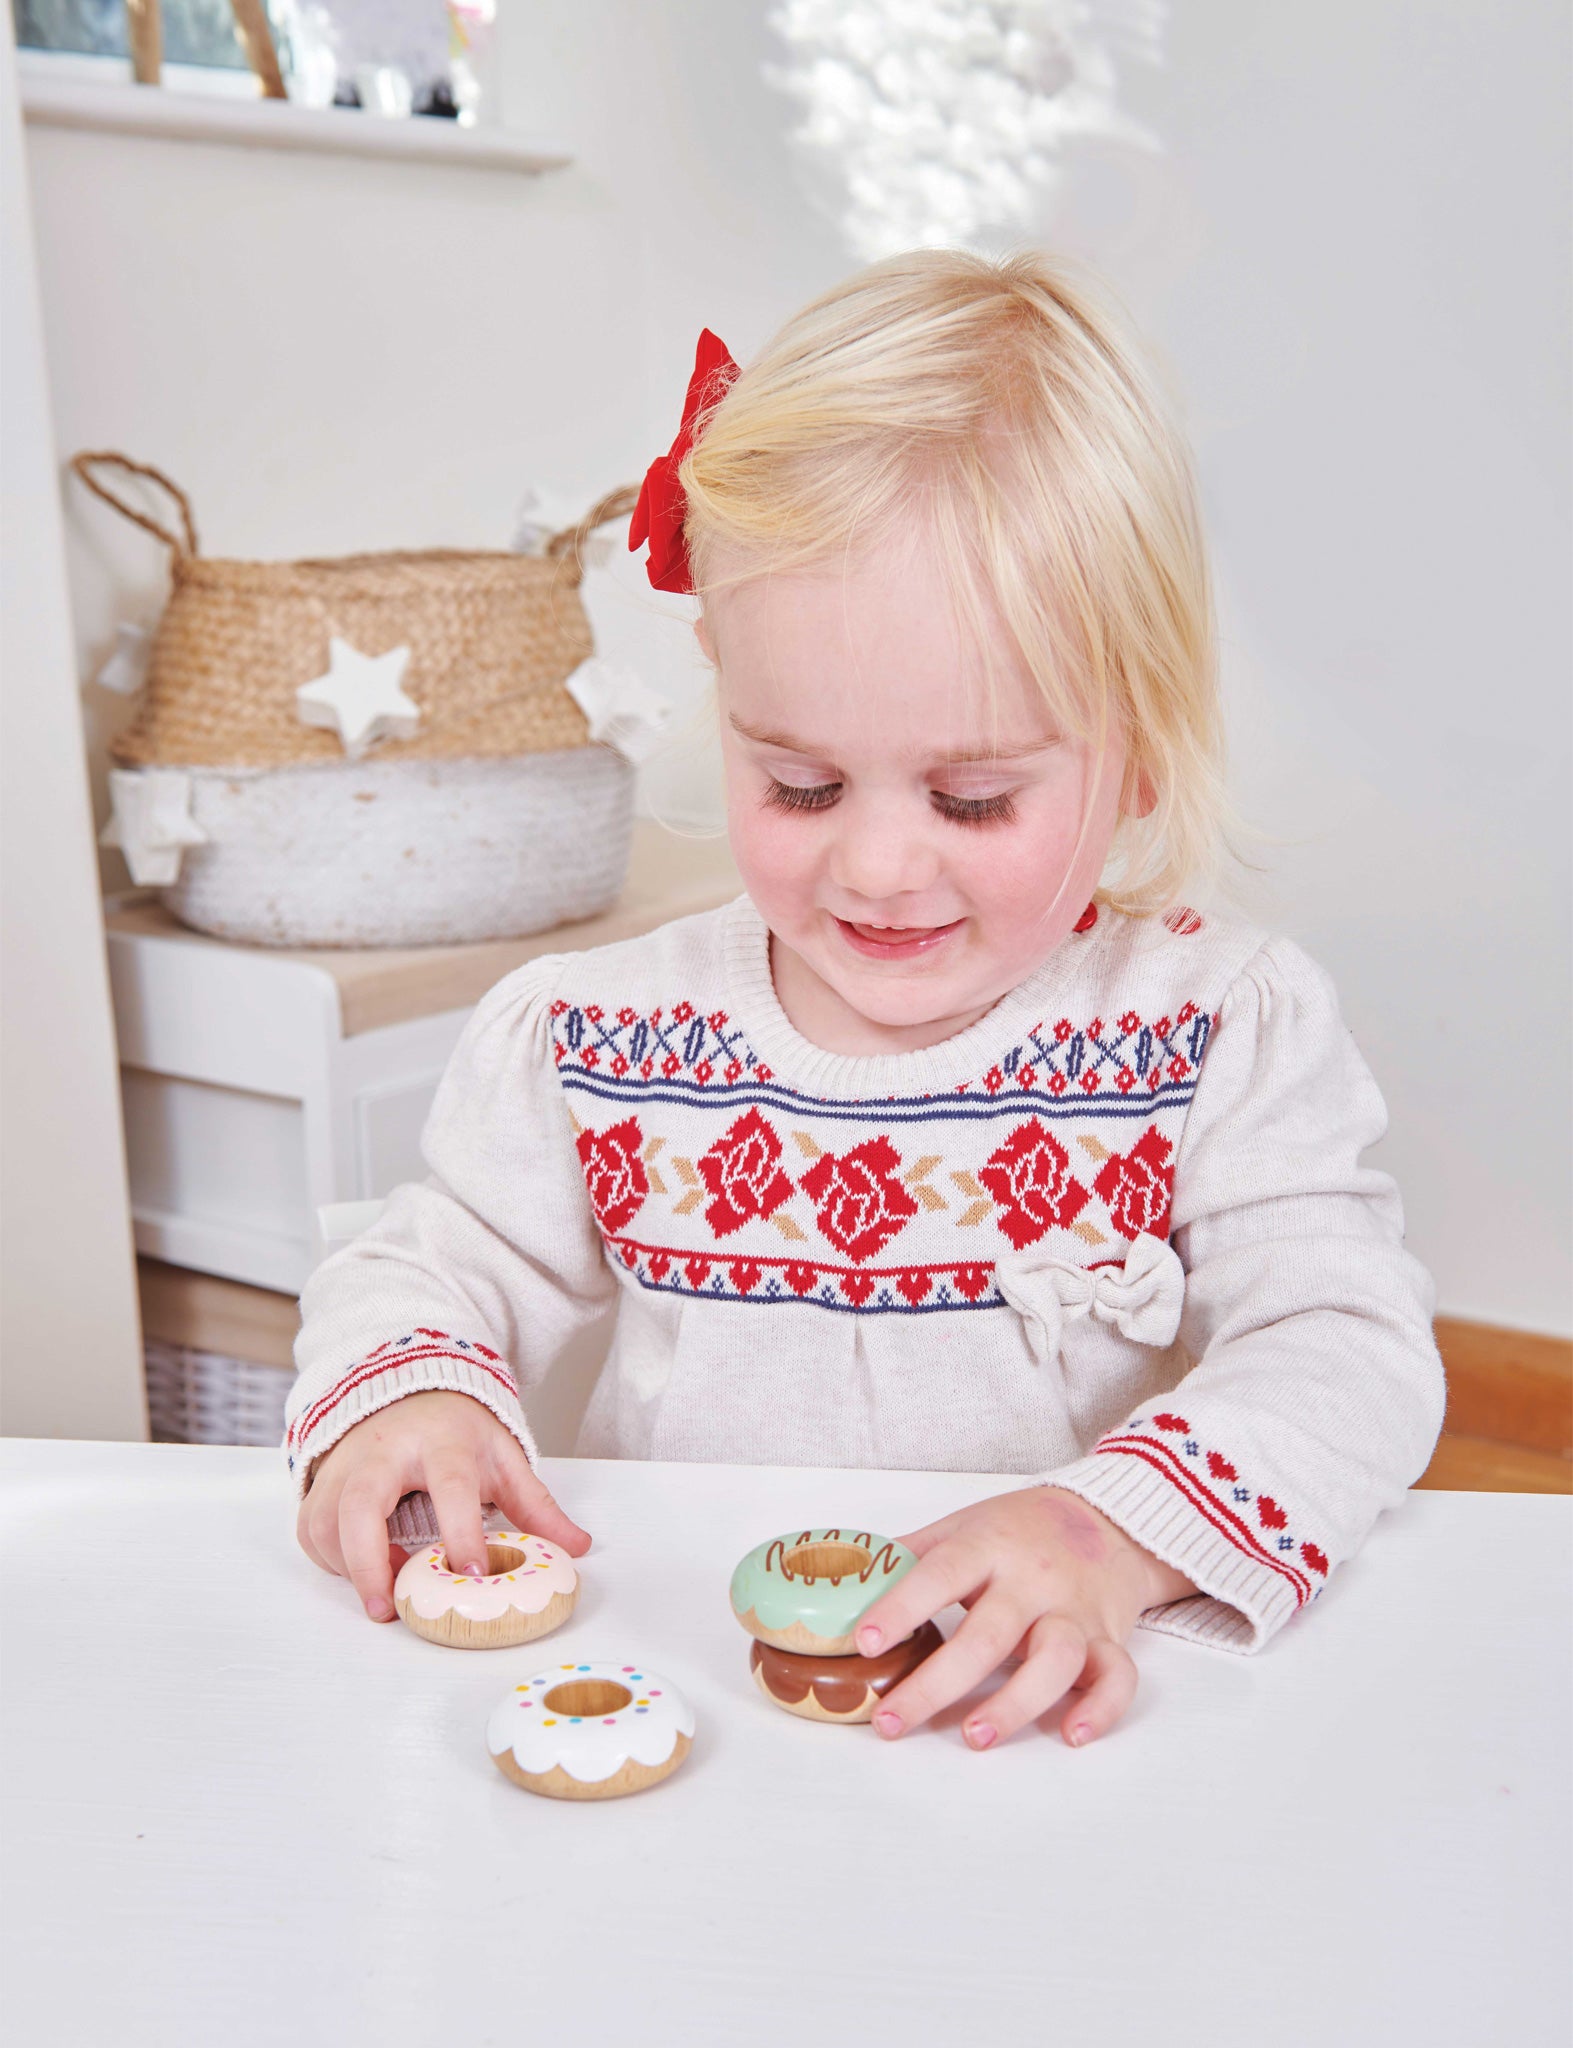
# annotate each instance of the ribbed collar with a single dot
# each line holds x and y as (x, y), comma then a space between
(935, 1069)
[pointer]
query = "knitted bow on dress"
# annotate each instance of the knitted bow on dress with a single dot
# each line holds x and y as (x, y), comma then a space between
(1142, 1298)
(662, 507)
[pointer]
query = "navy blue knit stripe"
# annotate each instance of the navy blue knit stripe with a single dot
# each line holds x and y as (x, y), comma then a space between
(908, 1110)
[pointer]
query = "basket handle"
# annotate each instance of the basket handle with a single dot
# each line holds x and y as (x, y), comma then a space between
(568, 544)
(83, 465)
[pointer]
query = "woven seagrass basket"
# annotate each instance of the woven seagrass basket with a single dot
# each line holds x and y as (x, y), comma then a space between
(210, 1397)
(496, 817)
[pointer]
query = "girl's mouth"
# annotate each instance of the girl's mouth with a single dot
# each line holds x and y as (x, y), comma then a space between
(895, 941)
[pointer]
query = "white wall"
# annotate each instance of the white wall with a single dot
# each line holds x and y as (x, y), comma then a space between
(70, 1349)
(1353, 253)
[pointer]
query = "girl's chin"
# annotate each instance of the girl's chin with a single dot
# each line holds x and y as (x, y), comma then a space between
(910, 1001)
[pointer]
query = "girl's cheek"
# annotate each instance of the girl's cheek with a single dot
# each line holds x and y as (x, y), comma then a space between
(1022, 871)
(773, 850)
(1035, 881)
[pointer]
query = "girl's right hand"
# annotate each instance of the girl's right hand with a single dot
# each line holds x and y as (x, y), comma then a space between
(454, 1448)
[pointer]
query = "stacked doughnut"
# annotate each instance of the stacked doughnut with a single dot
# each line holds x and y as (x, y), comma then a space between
(801, 1597)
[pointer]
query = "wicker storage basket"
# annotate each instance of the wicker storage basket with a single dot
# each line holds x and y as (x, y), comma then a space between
(209, 1397)
(497, 816)
(218, 1356)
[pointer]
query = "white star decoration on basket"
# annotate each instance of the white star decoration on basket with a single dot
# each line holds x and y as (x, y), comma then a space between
(622, 710)
(542, 515)
(152, 822)
(359, 697)
(126, 669)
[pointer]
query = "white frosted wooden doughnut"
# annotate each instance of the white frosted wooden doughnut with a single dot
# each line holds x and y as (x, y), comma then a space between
(590, 1731)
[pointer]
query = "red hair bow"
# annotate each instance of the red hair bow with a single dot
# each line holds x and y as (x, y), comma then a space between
(662, 507)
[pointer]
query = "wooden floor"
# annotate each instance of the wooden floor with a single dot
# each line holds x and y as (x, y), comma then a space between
(1509, 1425)
(1474, 1464)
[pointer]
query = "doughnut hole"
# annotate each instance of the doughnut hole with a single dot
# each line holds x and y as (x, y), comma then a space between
(590, 1698)
(502, 1557)
(828, 1561)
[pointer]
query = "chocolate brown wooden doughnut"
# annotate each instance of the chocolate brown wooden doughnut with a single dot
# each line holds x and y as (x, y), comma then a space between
(838, 1688)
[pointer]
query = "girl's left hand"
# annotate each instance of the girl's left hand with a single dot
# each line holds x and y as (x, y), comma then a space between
(1045, 1578)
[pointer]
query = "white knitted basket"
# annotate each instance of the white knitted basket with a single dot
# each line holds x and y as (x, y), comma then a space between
(405, 853)
(207, 1397)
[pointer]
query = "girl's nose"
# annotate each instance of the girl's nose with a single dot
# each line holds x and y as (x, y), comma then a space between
(881, 853)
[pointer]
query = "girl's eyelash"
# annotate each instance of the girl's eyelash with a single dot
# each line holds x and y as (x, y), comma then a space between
(960, 810)
(977, 810)
(801, 796)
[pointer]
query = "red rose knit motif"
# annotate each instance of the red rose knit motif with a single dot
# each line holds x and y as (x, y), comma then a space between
(1030, 1178)
(614, 1173)
(742, 1170)
(859, 1204)
(1138, 1185)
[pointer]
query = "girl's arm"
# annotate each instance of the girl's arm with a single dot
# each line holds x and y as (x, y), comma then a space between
(1314, 1401)
(469, 1284)
(1316, 1395)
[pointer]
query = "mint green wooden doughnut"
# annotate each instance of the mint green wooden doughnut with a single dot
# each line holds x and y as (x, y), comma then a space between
(816, 1604)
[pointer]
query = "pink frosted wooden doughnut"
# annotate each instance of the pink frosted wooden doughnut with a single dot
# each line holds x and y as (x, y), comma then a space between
(531, 1589)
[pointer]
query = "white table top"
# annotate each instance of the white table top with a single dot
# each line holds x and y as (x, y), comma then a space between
(239, 1813)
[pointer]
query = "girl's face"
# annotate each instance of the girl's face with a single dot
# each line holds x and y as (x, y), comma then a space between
(915, 852)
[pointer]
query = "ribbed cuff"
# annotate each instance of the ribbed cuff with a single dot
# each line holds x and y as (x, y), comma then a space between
(413, 1524)
(422, 1362)
(1246, 1594)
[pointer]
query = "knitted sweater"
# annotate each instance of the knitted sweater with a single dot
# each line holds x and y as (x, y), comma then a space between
(1115, 1235)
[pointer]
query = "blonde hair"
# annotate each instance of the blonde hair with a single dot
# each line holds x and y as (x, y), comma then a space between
(1003, 402)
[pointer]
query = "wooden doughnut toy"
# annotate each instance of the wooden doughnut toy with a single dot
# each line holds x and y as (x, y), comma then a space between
(531, 1588)
(808, 1591)
(590, 1731)
(838, 1688)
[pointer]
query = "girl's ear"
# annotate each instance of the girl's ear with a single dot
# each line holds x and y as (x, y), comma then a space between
(706, 644)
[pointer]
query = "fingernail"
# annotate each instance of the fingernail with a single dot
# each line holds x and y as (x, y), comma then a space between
(1079, 1734)
(379, 1609)
(869, 1640)
(980, 1734)
(888, 1723)
(473, 1571)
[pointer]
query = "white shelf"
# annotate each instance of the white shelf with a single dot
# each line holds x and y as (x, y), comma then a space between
(126, 109)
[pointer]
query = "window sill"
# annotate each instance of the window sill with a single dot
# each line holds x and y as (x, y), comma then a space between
(253, 123)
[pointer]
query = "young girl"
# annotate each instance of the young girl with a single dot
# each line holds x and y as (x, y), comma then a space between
(958, 1142)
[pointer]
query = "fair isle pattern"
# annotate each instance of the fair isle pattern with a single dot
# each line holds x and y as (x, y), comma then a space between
(903, 1290)
(420, 1344)
(1111, 1068)
(858, 1202)
(1212, 1484)
(711, 1177)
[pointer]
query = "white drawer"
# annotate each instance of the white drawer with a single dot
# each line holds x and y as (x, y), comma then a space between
(218, 1177)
